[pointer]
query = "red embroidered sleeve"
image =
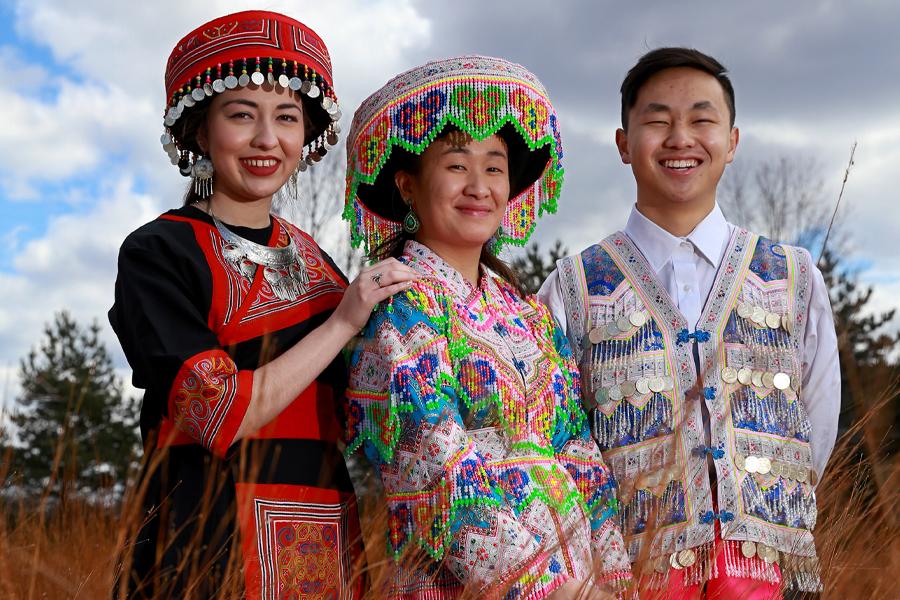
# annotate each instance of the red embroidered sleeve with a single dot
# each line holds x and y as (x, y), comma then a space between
(209, 398)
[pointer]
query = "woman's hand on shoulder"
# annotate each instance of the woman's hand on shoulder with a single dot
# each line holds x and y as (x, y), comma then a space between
(374, 284)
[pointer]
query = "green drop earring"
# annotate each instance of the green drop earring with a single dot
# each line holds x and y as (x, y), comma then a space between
(411, 221)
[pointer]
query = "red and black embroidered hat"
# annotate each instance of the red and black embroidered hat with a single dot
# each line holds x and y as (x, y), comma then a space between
(252, 48)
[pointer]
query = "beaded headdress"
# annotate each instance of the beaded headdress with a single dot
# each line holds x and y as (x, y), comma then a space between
(478, 95)
(251, 48)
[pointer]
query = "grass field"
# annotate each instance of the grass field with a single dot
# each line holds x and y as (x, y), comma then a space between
(50, 550)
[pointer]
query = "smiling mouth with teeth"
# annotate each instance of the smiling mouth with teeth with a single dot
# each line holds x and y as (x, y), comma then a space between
(680, 164)
(261, 163)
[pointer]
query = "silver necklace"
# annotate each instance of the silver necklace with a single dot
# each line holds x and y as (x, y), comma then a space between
(283, 268)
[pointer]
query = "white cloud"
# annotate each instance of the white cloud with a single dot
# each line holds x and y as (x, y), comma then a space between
(103, 121)
(29, 76)
(73, 134)
(73, 267)
(126, 44)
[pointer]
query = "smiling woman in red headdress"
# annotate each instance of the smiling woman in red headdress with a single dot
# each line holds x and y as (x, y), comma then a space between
(232, 319)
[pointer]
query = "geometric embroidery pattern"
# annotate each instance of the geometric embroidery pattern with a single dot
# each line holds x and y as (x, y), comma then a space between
(300, 549)
(600, 272)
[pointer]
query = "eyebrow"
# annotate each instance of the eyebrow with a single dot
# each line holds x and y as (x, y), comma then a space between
(657, 107)
(252, 104)
(464, 150)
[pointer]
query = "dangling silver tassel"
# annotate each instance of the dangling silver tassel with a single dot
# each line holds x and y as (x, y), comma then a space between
(294, 185)
(202, 172)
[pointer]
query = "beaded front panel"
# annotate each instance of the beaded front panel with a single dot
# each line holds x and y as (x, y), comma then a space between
(758, 369)
(636, 384)
(478, 434)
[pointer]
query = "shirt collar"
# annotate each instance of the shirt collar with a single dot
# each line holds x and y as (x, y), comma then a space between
(424, 260)
(709, 237)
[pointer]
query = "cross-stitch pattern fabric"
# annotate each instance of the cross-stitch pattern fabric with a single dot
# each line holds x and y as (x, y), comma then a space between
(466, 399)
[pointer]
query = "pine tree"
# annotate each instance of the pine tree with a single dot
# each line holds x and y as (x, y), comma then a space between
(865, 332)
(74, 429)
(867, 352)
(532, 269)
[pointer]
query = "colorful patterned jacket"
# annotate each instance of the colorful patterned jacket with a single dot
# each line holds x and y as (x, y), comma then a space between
(466, 399)
(638, 365)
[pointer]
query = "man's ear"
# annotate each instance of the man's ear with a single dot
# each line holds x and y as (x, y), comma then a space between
(622, 145)
(733, 139)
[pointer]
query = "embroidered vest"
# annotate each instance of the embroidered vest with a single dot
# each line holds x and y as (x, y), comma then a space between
(639, 375)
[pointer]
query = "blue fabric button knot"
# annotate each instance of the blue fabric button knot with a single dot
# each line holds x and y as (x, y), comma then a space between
(684, 336)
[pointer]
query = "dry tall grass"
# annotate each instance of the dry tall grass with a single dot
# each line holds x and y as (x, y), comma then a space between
(69, 551)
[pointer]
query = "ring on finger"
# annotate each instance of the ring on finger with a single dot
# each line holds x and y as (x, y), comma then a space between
(377, 278)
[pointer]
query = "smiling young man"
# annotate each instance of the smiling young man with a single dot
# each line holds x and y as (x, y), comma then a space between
(708, 354)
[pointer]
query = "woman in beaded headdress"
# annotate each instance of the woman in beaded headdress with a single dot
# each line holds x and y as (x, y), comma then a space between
(463, 393)
(232, 320)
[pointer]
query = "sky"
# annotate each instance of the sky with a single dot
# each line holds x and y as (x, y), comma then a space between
(82, 102)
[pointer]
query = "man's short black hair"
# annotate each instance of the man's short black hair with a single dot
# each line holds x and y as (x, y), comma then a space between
(669, 58)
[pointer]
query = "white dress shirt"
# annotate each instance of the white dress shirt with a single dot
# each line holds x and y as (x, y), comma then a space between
(687, 268)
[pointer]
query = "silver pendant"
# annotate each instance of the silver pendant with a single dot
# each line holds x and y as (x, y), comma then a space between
(283, 268)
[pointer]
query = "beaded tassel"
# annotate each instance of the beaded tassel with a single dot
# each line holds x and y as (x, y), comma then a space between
(629, 424)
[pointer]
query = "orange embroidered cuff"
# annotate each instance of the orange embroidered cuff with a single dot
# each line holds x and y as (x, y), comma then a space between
(209, 398)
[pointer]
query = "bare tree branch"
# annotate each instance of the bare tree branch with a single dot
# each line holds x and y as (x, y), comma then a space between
(782, 198)
(837, 204)
(318, 210)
